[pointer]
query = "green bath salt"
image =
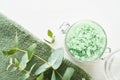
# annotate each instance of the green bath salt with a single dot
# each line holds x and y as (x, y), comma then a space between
(86, 40)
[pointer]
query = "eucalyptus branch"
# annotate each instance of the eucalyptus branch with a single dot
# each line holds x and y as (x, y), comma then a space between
(35, 56)
(54, 60)
(19, 68)
(43, 61)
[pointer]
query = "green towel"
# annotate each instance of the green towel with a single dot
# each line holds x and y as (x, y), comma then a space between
(8, 30)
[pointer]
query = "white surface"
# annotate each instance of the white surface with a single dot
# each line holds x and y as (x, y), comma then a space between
(39, 15)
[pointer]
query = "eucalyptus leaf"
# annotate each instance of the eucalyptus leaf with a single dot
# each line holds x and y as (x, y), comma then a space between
(31, 50)
(16, 41)
(13, 69)
(50, 33)
(40, 77)
(42, 68)
(24, 76)
(53, 40)
(56, 58)
(11, 60)
(68, 73)
(24, 61)
(53, 76)
(10, 52)
(16, 62)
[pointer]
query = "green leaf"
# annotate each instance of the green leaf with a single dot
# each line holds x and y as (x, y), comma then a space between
(24, 61)
(10, 61)
(31, 50)
(24, 76)
(56, 58)
(40, 77)
(53, 40)
(42, 68)
(16, 62)
(13, 69)
(16, 41)
(53, 76)
(50, 33)
(10, 52)
(68, 73)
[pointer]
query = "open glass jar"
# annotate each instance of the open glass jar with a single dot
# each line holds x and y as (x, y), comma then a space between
(86, 41)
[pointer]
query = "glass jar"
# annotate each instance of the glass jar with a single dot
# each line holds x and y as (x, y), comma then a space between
(112, 66)
(85, 40)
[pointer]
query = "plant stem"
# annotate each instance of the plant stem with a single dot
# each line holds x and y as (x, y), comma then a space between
(21, 50)
(23, 70)
(59, 74)
(42, 59)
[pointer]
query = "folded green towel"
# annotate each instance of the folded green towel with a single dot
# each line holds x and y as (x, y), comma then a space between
(8, 30)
